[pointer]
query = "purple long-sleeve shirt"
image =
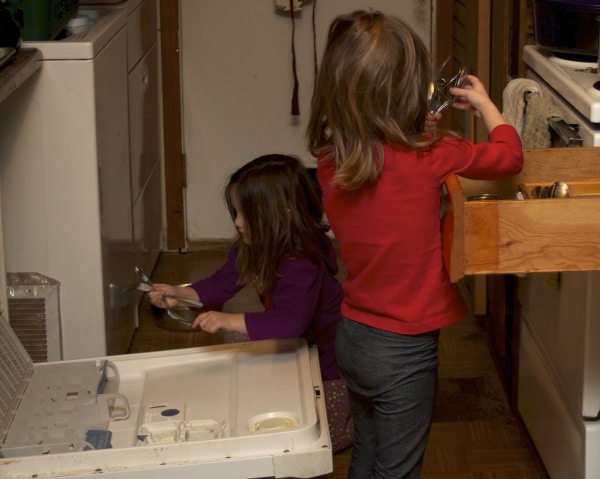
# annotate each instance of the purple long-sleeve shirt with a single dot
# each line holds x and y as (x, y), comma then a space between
(305, 302)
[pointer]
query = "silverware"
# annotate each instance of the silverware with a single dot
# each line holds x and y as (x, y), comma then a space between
(192, 302)
(559, 190)
(142, 276)
(439, 90)
(145, 280)
(146, 288)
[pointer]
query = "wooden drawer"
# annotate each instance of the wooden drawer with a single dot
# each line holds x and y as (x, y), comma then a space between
(531, 235)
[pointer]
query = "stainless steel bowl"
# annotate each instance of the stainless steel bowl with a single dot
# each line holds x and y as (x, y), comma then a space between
(164, 321)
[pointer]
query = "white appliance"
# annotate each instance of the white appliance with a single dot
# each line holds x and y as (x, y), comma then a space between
(559, 358)
(66, 181)
(571, 84)
(245, 410)
(559, 370)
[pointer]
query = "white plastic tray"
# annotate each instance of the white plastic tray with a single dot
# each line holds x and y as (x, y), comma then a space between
(251, 409)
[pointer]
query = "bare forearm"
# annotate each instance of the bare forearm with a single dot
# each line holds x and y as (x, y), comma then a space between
(491, 116)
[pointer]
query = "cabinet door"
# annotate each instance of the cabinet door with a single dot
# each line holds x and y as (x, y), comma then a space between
(144, 121)
(144, 145)
(142, 28)
(119, 314)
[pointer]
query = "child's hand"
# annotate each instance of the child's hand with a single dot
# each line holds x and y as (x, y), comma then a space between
(157, 293)
(471, 95)
(214, 321)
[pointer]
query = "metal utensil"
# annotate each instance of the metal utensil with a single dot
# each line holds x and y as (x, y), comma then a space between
(545, 192)
(175, 316)
(144, 279)
(142, 276)
(194, 303)
(439, 91)
(559, 190)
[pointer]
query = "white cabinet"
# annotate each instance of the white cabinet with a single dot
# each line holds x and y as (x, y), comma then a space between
(80, 174)
(64, 163)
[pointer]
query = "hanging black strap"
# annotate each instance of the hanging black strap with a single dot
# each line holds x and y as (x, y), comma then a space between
(295, 100)
(295, 103)
(314, 27)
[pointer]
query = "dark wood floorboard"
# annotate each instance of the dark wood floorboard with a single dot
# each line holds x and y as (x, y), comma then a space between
(475, 433)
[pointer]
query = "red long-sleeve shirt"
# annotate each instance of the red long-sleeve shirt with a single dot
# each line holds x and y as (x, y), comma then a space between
(389, 233)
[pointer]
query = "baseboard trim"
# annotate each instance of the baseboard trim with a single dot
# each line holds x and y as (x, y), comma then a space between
(209, 245)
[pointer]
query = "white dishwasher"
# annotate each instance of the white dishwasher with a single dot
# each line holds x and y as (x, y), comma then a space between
(244, 410)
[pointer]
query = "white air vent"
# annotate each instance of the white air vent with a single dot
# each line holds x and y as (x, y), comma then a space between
(34, 314)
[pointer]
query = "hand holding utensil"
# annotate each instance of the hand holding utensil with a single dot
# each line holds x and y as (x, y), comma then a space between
(146, 286)
(192, 302)
(439, 90)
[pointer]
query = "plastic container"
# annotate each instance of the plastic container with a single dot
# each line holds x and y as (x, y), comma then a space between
(567, 26)
(42, 20)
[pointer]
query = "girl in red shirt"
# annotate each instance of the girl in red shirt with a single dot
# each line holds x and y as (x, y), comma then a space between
(382, 180)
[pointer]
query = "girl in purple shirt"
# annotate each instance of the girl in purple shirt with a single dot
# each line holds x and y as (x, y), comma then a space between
(282, 248)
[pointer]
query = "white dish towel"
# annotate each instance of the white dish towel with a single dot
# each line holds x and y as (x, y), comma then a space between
(529, 112)
(514, 101)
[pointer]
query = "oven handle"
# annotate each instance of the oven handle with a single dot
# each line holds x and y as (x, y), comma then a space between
(566, 133)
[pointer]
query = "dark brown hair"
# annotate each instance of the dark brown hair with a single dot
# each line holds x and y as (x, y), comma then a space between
(283, 215)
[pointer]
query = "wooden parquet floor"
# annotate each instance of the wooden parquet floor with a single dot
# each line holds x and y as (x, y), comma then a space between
(475, 433)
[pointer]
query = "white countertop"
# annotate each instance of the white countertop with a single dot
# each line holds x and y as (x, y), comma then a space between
(18, 69)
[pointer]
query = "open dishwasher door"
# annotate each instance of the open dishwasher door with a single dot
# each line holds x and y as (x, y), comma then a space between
(245, 410)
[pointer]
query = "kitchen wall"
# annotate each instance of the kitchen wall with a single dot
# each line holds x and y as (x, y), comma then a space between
(237, 84)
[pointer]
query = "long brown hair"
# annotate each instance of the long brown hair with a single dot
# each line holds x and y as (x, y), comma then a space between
(372, 89)
(283, 215)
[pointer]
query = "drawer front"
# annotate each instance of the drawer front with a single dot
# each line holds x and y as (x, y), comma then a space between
(530, 235)
(142, 31)
(144, 115)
